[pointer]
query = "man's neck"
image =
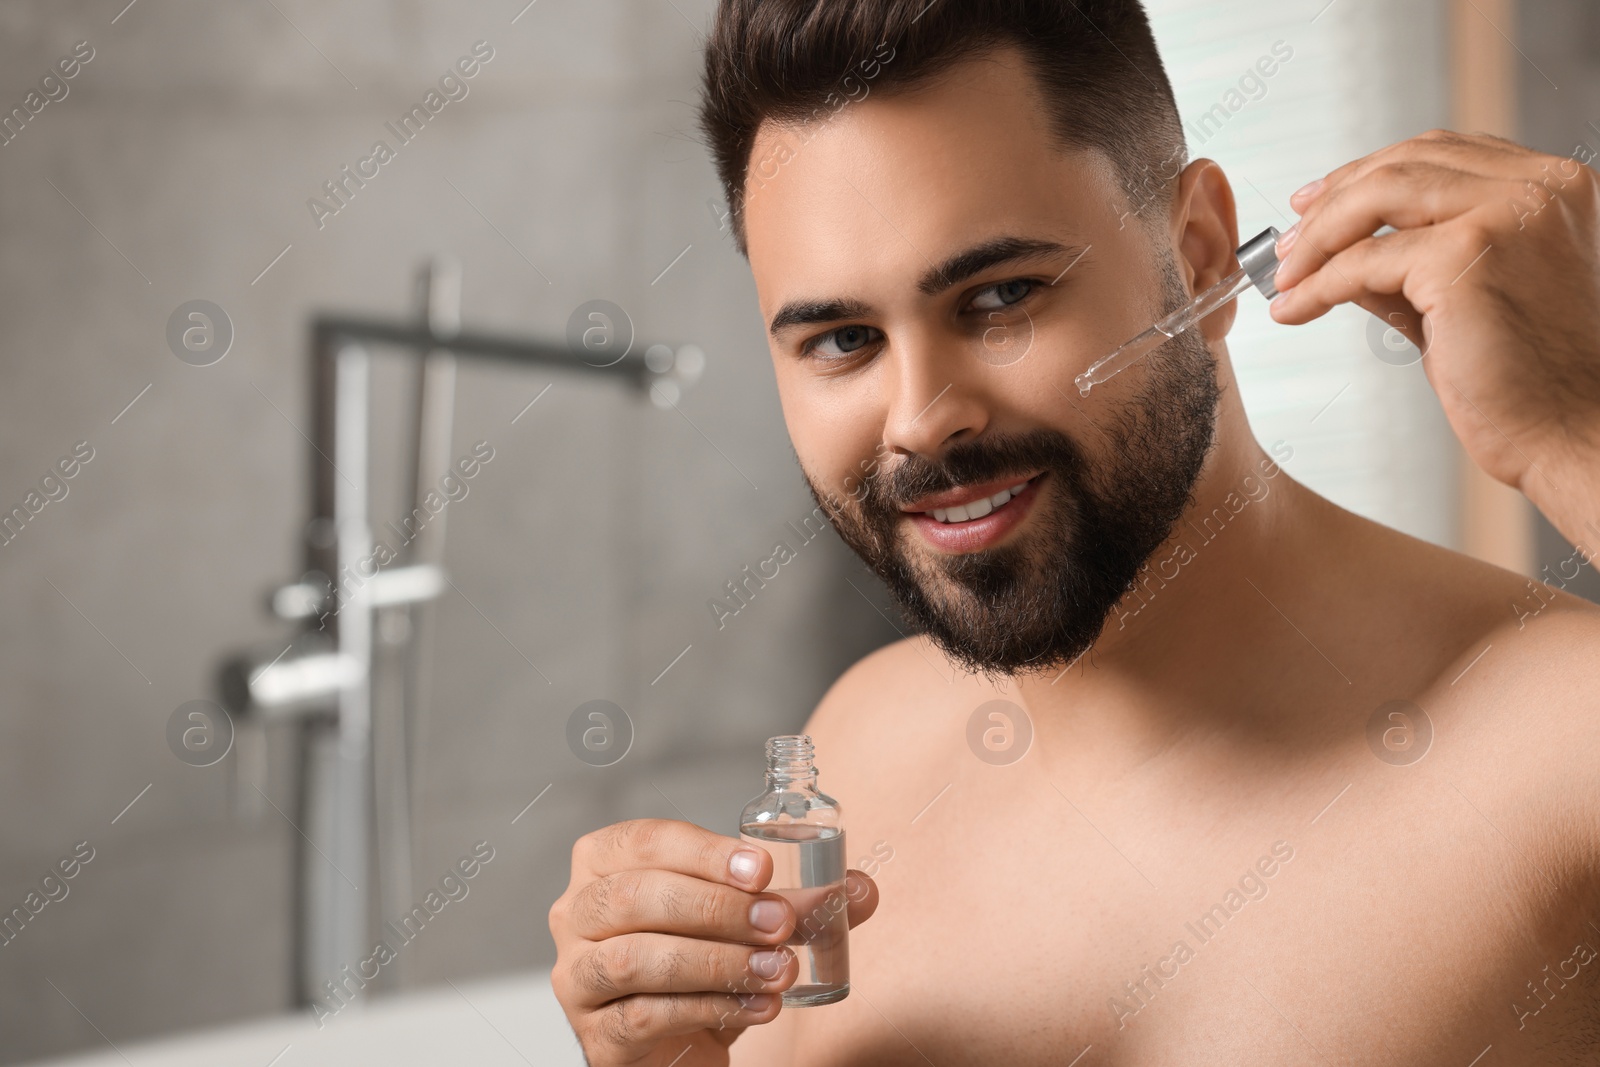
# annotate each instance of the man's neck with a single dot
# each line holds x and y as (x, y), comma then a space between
(1192, 637)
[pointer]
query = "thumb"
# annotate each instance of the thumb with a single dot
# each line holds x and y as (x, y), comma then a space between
(862, 892)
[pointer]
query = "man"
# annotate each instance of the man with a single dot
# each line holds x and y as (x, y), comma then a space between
(1187, 764)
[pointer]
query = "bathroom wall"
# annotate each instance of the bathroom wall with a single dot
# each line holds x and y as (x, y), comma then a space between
(178, 166)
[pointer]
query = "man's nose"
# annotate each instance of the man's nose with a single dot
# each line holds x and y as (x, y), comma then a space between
(936, 395)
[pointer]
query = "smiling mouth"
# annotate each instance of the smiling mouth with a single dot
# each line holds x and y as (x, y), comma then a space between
(977, 509)
(974, 518)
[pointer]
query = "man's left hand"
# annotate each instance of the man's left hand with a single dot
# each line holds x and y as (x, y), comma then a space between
(1494, 272)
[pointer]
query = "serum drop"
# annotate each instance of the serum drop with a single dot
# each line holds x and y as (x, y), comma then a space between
(800, 827)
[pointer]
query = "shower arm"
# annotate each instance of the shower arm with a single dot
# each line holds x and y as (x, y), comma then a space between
(325, 680)
(307, 676)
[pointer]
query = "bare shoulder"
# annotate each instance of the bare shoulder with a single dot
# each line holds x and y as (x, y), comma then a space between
(885, 716)
(1541, 670)
(1505, 669)
(1525, 646)
(863, 698)
(1520, 722)
(1457, 614)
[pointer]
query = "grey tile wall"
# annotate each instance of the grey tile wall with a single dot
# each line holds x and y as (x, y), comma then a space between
(177, 167)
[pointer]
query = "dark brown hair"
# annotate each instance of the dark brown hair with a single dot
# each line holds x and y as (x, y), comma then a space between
(797, 62)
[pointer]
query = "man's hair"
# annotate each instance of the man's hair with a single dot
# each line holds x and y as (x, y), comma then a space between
(799, 61)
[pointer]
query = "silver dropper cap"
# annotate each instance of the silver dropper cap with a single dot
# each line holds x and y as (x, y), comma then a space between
(1259, 258)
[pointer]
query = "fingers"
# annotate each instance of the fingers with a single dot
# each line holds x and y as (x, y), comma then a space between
(663, 963)
(1384, 274)
(862, 892)
(1401, 323)
(1426, 180)
(1372, 267)
(1404, 195)
(1479, 153)
(670, 845)
(669, 902)
(633, 1026)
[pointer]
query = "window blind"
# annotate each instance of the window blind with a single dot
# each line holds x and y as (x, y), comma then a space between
(1346, 79)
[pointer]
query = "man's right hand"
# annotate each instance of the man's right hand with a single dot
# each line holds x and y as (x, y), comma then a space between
(665, 942)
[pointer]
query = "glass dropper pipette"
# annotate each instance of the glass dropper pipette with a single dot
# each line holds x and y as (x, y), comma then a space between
(1258, 262)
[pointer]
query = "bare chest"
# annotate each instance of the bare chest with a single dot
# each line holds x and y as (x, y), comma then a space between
(1386, 922)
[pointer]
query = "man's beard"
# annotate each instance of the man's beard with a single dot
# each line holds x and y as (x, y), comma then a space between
(1042, 600)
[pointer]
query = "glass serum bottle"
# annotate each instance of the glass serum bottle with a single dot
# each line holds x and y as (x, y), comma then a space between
(800, 826)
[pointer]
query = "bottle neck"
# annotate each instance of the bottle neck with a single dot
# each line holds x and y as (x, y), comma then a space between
(789, 763)
(786, 779)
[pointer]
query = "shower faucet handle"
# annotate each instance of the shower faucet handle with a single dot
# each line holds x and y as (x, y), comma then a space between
(313, 594)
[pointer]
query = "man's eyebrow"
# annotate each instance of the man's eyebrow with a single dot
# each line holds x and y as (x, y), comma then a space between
(955, 269)
(993, 252)
(804, 312)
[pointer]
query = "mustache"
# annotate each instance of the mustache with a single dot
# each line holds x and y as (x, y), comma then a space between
(970, 462)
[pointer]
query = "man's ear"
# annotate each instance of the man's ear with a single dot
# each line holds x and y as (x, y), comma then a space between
(1205, 232)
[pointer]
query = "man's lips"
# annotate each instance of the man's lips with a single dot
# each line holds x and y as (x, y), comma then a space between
(967, 494)
(984, 531)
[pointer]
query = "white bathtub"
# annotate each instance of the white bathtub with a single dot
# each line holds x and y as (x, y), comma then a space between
(513, 1021)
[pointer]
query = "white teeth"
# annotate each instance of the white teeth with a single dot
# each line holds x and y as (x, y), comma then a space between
(977, 509)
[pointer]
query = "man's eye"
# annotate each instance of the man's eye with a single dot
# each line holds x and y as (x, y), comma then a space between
(1002, 294)
(843, 341)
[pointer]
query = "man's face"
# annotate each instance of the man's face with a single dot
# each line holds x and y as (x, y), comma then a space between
(934, 275)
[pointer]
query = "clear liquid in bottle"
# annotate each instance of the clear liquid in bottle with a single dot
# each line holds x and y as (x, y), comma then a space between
(799, 827)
